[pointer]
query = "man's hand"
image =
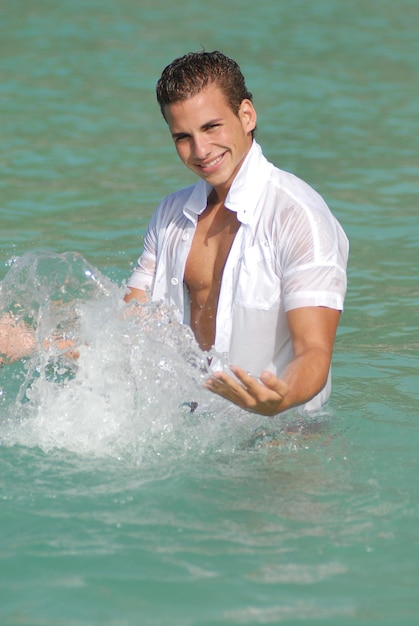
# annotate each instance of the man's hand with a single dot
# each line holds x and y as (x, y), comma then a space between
(264, 397)
(312, 332)
(140, 295)
(16, 339)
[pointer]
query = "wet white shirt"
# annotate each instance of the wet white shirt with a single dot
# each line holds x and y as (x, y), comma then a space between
(289, 252)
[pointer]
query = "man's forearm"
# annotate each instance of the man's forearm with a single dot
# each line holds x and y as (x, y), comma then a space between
(305, 376)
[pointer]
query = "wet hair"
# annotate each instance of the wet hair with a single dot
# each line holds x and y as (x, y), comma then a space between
(186, 76)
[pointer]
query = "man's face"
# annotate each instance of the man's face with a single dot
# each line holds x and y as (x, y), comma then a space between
(210, 139)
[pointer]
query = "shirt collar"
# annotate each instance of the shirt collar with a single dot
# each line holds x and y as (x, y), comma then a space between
(248, 185)
(197, 201)
(244, 192)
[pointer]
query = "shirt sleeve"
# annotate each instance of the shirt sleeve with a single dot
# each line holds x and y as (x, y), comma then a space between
(313, 258)
(144, 273)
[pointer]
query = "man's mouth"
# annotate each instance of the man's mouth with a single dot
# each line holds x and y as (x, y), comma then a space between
(213, 163)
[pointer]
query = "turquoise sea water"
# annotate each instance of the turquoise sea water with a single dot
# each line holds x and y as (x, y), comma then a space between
(117, 505)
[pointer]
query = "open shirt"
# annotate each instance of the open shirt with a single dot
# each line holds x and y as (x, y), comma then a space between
(289, 252)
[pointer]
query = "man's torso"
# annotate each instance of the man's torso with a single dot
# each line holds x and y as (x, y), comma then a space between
(214, 235)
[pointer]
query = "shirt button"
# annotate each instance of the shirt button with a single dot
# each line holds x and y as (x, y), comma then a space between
(174, 281)
(185, 236)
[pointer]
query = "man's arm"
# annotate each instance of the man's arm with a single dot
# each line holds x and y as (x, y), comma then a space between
(313, 331)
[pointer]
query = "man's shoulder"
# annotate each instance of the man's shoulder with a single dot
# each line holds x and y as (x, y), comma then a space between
(298, 191)
(281, 179)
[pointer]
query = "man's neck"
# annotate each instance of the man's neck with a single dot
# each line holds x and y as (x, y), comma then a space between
(217, 197)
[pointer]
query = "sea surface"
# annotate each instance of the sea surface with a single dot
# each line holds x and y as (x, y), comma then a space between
(118, 505)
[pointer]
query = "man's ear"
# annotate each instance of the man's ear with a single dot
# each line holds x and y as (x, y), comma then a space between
(248, 116)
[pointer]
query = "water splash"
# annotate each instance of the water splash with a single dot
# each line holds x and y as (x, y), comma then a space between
(130, 390)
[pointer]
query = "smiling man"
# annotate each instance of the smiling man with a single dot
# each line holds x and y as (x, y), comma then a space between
(250, 256)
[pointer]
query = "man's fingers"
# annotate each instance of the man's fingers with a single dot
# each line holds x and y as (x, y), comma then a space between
(247, 380)
(268, 380)
(248, 392)
(274, 383)
(223, 383)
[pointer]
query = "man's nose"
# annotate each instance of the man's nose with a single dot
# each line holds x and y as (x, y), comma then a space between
(201, 146)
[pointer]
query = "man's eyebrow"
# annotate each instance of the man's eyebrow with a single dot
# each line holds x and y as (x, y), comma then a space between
(179, 134)
(217, 120)
(204, 126)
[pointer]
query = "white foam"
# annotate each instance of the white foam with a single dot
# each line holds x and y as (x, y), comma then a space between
(128, 392)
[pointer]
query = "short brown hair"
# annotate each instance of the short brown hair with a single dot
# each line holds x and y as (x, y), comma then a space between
(186, 76)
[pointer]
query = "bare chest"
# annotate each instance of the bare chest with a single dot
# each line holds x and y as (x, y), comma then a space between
(209, 251)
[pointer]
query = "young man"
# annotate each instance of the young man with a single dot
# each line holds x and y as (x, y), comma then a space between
(250, 256)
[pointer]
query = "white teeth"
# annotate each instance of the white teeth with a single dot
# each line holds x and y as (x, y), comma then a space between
(214, 162)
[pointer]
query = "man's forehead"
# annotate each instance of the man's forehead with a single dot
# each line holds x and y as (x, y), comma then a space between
(204, 106)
